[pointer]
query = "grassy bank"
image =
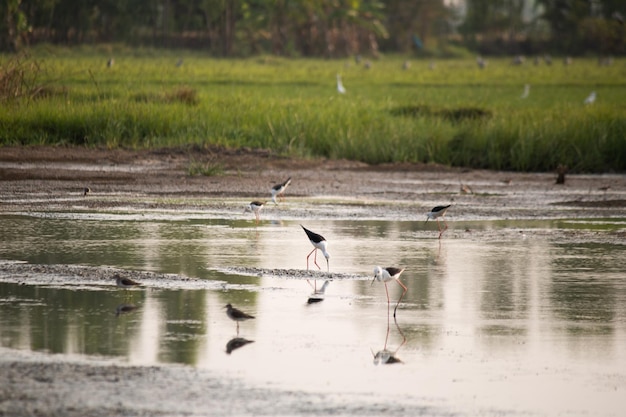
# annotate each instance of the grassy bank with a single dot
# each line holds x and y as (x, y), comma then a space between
(454, 114)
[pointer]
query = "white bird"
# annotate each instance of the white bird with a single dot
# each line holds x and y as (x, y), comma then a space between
(318, 242)
(526, 91)
(388, 274)
(340, 88)
(255, 207)
(279, 189)
(435, 213)
(591, 98)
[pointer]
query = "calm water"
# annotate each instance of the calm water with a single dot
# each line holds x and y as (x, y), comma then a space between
(504, 318)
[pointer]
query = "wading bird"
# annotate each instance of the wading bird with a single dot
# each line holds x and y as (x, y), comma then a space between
(318, 242)
(255, 207)
(125, 282)
(436, 213)
(388, 274)
(279, 189)
(236, 315)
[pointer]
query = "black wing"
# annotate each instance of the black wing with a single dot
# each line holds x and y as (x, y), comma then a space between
(313, 237)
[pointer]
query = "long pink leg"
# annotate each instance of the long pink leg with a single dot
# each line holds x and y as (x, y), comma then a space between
(315, 260)
(307, 258)
(307, 267)
(387, 292)
(404, 292)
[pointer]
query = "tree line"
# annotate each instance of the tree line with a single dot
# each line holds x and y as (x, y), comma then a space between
(323, 28)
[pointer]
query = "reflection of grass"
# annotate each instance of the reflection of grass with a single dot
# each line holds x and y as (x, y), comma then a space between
(208, 169)
(456, 115)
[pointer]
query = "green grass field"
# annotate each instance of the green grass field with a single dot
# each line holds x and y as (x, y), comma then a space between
(455, 114)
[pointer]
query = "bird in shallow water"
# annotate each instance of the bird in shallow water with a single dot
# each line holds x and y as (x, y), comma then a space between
(236, 315)
(436, 213)
(255, 207)
(387, 274)
(125, 282)
(279, 189)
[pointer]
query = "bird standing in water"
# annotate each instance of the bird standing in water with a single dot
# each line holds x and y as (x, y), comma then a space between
(436, 213)
(388, 274)
(236, 315)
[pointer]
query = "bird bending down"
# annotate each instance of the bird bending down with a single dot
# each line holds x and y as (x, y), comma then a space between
(279, 189)
(436, 213)
(255, 207)
(340, 88)
(125, 282)
(318, 242)
(387, 274)
(236, 315)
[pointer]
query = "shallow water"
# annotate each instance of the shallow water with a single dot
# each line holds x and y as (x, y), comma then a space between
(499, 317)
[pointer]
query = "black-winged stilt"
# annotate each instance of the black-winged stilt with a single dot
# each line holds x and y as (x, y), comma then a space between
(387, 274)
(236, 315)
(278, 190)
(436, 213)
(255, 207)
(318, 242)
(125, 282)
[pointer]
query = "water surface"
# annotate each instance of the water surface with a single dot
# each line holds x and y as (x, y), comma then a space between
(498, 316)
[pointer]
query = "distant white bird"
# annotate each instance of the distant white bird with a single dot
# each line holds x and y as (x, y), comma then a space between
(340, 88)
(591, 98)
(482, 63)
(526, 91)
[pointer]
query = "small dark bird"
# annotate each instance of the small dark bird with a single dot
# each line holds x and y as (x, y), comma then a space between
(86, 191)
(236, 315)
(125, 282)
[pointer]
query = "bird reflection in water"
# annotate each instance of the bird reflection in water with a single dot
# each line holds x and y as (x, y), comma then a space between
(318, 295)
(236, 343)
(387, 356)
(124, 309)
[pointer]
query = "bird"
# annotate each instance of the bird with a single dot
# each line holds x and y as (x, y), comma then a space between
(86, 191)
(526, 91)
(236, 315)
(179, 63)
(279, 189)
(435, 213)
(255, 207)
(590, 98)
(318, 242)
(236, 343)
(125, 282)
(340, 88)
(110, 63)
(387, 274)
(482, 63)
